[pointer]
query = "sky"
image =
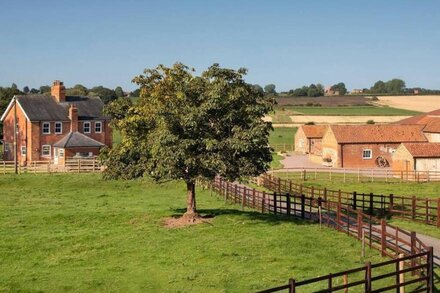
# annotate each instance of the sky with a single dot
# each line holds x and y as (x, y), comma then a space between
(287, 43)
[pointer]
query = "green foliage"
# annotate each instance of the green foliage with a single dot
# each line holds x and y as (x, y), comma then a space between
(258, 88)
(340, 87)
(107, 95)
(119, 92)
(6, 94)
(370, 121)
(26, 90)
(192, 127)
(283, 135)
(135, 93)
(77, 90)
(314, 90)
(270, 89)
(394, 86)
(45, 89)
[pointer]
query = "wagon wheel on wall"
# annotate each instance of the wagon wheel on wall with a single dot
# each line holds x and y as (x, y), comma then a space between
(382, 162)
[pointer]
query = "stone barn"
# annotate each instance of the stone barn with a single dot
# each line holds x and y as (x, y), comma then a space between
(417, 157)
(308, 139)
(366, 146)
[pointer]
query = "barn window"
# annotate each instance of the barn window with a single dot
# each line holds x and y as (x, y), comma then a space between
(23, 150)
(45, 150)
(46, 128)
(58, 127)
(86, 127)
(367, 154)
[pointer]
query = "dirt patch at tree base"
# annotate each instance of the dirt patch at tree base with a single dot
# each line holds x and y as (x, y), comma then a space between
(185, 220)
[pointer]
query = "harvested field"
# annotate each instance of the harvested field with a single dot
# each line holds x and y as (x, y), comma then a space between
(344, 119)
(416, 103)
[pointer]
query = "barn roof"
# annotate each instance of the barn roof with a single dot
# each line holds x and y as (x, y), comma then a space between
(46, 108)
(378, 133)
(423, 150)
(76, 139)
(430, 120)
(314, 131)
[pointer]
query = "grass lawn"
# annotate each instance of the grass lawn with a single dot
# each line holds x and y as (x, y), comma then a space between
(76, 232)
(283, 135)
(347, 111)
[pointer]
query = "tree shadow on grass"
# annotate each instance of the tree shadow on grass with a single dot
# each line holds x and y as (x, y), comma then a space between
(251, 215)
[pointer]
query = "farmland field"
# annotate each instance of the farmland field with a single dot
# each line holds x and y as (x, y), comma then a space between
(76, 232)
(282, 135)
(418, 103)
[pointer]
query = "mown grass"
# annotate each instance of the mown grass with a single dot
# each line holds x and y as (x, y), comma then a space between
(76, 232)
(283, 135)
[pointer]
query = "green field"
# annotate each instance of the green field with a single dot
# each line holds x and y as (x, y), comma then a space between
(76, 232)
(283, 135)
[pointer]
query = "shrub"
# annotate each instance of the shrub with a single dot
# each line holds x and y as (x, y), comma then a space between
(375, 98)
(310, 123)
(370, 122)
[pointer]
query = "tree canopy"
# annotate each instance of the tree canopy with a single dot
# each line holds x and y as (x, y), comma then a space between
(340, 87)
(270, 89)
(191, 127)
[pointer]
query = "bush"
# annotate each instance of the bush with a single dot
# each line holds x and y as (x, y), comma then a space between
(309, 104)
(375, 98)
(310, 123)
(317, 105)
(370, 122)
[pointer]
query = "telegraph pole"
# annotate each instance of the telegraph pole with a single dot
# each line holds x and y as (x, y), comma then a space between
(15, 136)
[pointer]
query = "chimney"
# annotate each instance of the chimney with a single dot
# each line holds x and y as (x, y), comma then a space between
(73, 116)
(58, 91)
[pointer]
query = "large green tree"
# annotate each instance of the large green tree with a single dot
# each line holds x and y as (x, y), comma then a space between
(191, 127)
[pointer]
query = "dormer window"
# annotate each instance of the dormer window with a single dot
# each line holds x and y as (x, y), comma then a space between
(86, 127)
(46, 128)
(58, 127)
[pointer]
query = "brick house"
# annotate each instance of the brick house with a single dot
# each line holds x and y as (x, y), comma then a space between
(366, 146)
(430, 121)
(55, 127)
(308, 139)
(417, 157)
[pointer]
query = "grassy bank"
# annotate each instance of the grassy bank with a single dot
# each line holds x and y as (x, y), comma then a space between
(76, 232)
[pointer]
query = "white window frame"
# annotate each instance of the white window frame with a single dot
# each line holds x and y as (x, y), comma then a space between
(48, 128)
(369, 157)
(61, 127)
(84, 127)
(23, 150)
(42, 150)
(61, 153)
(100, 126)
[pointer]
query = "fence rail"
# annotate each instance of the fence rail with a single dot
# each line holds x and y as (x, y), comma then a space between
(70, 165)
(368, 280)
(425, 210)
(360, 175)
(283, 147)
(390, 240)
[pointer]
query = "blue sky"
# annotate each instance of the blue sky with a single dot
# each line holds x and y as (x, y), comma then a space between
(288, 43)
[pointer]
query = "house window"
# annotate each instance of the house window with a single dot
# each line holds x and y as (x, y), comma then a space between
(23, 150)
(45, 150)
(86, 127)
(46, 127)
(61, 153)
(98, 127)
(367, 154)
(58, 127)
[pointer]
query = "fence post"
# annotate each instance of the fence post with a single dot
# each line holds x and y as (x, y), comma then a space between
(391, 206)
(383, 237)
(274, 203)
(430, 269)
(359, 224)
(253, 198)
(400, 277)
(243, 201)
(354, 199)
(263, 202)
(413, 208)
(368, 277)
(438, 212)
(235, 193)
(303, 205)
(279, 184)
(292, 286)
(413, 249)
(371, 203)
(288, 203)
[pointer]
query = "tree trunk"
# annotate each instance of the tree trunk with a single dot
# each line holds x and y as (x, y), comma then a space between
(191, 211)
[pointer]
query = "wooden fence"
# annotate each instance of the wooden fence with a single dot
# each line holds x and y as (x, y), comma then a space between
(413, 208)
(71, 165)
(364, 278)
(390, 240)
(283, 147)
(360, 175)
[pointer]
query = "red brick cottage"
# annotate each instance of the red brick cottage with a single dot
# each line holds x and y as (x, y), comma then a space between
(366, 146)
(55, 127)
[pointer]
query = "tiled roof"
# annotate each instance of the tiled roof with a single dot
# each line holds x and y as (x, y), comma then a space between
(423, 150)
(378, 133)
(314, 131)
(76, 139)
(431, 121)
(45, 108)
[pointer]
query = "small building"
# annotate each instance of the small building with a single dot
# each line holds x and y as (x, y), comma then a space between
(417, 157)
(308, 139)
(54, 127)
(366, 146)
